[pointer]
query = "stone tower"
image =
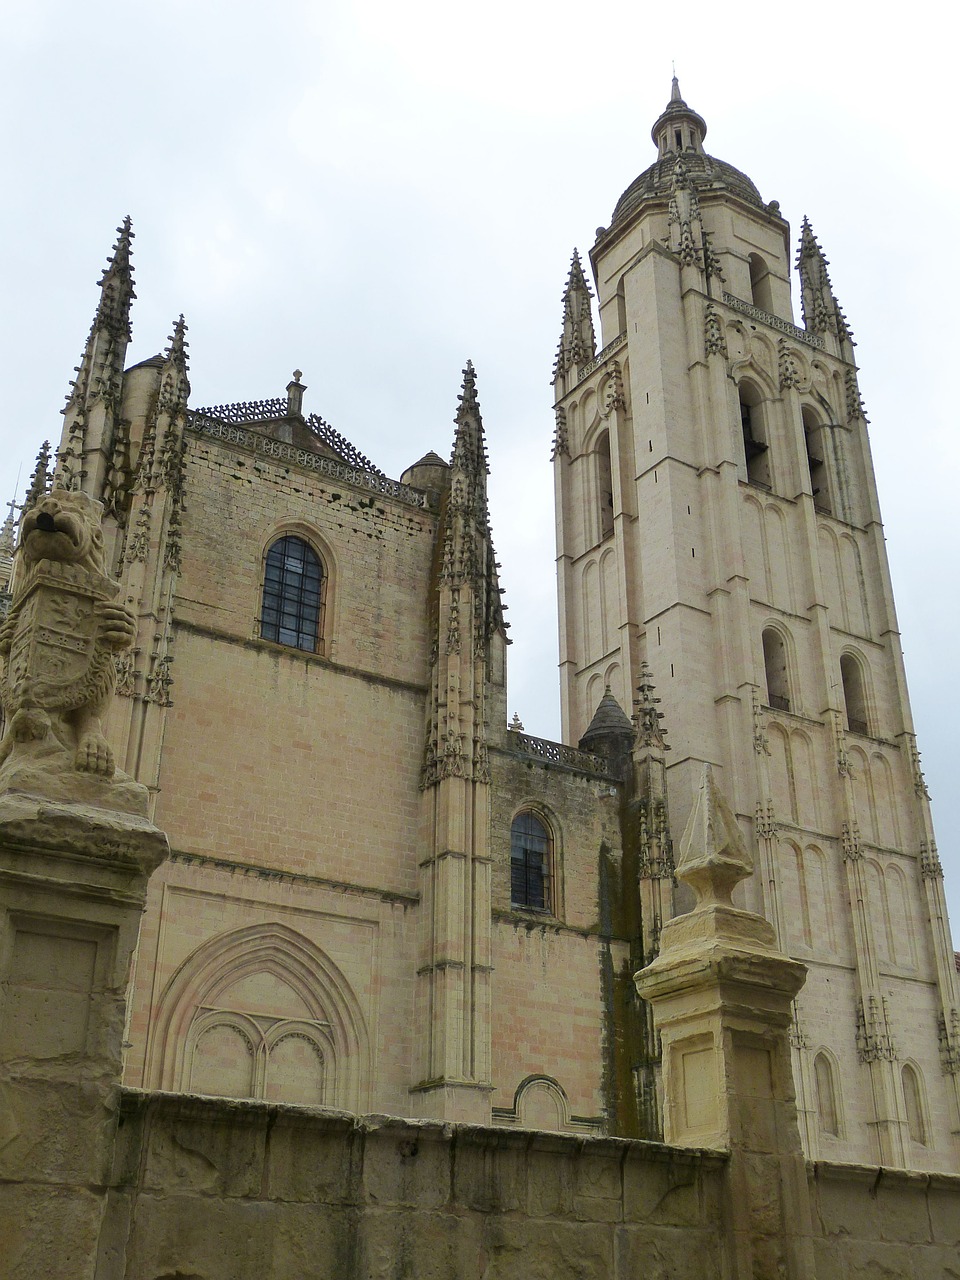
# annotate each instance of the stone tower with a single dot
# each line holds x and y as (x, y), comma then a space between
(717, 519)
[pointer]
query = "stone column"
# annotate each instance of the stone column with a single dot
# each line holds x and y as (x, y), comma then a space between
(721, 995)
(76, 852)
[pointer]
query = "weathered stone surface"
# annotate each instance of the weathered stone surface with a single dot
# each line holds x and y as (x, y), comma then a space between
(314, 1159)
(223, 1158)
(395, 1243)
(400, 1168)
(944, 1205)
(662, 1254)
(48, 1231)
(56, 1131)
(545, 1250)
(218, 1239)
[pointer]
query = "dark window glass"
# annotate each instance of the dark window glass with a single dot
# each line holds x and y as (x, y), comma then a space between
(292, 591)
(529, 863)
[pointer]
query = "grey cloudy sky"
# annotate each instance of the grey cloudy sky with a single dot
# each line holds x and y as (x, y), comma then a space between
(373, 192)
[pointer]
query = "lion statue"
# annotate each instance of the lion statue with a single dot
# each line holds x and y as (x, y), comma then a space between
(58, 644)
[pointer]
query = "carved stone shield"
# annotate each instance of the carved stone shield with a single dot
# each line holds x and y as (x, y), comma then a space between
(51, 653)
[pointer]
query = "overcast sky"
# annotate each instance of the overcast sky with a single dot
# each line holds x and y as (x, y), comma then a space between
(374, 192)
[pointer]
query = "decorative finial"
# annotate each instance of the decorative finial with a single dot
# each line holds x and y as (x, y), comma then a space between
(516, 724)
(713, 855)
(295, 390)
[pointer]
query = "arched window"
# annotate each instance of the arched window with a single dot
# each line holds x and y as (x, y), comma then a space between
(855, 704)
(605, 485)
(293, 582)
(754, 441)
(828, 1112)
(913, 1102)
(760, 291)
(775, 666)
(531, 854)
(814, 438)
(621, 307)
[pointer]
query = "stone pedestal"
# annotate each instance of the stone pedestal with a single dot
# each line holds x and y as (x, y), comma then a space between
(721, 995)
(72, 885)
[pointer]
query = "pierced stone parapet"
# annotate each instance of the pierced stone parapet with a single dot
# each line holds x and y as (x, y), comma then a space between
(557, 753)
(601, 356)
(775, 322)
(278, 410)
(266, 446)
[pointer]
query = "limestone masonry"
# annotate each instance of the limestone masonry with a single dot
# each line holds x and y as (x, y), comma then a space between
(313, 965)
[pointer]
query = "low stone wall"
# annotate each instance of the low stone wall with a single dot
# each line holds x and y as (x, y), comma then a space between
(874, 1222)
(215, 1190)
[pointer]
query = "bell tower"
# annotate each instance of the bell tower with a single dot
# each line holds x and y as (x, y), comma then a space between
(717, 519)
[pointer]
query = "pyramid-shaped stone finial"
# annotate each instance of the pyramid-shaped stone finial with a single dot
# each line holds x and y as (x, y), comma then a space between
(713, 856)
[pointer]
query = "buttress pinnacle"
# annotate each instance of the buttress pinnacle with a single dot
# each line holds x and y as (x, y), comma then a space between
(116, 285)
(469, 451)
(578, 342)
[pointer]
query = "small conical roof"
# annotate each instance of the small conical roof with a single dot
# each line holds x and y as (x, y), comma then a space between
(430, 459)
(609, 719)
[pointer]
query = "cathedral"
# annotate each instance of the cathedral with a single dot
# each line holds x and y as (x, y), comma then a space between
(384, 898)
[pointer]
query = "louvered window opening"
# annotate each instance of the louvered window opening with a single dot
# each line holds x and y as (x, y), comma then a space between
(292, 592)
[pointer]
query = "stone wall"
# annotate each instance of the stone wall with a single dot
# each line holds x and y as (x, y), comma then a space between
(207, 1189)
(876, 1222)
(215, 1190)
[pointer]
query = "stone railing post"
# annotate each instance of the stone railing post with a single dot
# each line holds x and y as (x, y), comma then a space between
(76, 852)
(721, 996)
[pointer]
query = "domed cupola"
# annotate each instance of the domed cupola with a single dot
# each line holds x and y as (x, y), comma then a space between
(680, 131)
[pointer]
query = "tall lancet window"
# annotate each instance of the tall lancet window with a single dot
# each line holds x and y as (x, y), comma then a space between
(813, 435)
(531, 851)
(605, 485)
(760, 292)
(753, 429)
(855, 704)
(775, 668)
(293, 582)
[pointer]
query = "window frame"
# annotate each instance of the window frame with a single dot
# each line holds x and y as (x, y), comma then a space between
(549, 883)
(313, 558)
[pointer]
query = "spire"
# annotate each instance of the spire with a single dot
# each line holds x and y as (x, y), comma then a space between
(6, 529)
(821, 311)
(174, 385)
(469, 452)
(468, 556)
(40, 480)
(94, 400)
(578, 342)
(116, 286)
(101, 365)
(678, 128)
